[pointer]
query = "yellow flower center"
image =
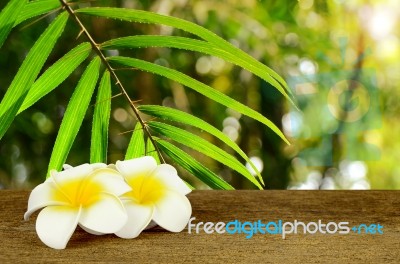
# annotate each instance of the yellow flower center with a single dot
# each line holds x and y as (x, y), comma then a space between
(146, 190)
(77, 192)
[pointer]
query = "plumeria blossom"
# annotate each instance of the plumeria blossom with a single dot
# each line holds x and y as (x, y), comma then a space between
(157, 194)
(87, 195)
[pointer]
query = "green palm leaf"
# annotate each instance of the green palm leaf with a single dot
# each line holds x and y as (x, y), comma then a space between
(151, 151)
(74, 115)
(140, 16)
(203, 146)
(192, 45)
(200, 88)
(36, 8)
(56, 74)
(101, 119)
(8, 16)
(136, 147)
(193, 166)
(188, 119)
(28, 72)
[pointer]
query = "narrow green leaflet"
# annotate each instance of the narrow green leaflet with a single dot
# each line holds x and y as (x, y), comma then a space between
(193, 166)
(189, 185)
(198, 87)
(151, 151)
(143, 41)
(136, 147)
(140, 16)
(8, 16)
(203, 146)
(28, 72)
(74, 115)
(101, 119)
(176, 115)
(36, 8)
(56, 74)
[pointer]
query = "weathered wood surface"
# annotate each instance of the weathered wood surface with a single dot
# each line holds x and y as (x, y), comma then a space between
(19, 242)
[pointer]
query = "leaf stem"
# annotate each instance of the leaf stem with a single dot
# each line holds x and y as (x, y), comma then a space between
(113, 74)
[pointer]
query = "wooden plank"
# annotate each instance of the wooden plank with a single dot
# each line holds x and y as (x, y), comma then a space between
(19, 242)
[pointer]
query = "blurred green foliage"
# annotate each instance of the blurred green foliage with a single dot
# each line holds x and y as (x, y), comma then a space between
(320, 40)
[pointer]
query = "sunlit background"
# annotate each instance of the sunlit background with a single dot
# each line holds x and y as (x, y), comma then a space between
(340, 58)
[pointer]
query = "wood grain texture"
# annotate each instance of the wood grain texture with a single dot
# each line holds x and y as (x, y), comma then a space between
(20, 244)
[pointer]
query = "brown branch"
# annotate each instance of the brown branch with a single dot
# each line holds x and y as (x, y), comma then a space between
(103, 58)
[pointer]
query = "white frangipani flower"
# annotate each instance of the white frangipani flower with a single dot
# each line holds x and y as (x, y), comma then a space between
(86, 195)
(157, 194)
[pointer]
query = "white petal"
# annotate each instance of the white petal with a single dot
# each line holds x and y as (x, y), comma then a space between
(49, 179)
(107, 215)
(52, 173)
(99, 165)
(136, 167)
(112, 166)
(75, 173)
(151, 225)
(173, 212)
(56, 224)
(67, 167)
(42, 196)
(138, 218)
(110, 180)
(90, 231)
(169, 176)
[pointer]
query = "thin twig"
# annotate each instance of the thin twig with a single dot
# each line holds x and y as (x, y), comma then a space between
(40, 18)
(105, 100)
(79, 34)
(137, 101)
(126, 68)
(115, 96)
(126, 132)
(103, 58)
